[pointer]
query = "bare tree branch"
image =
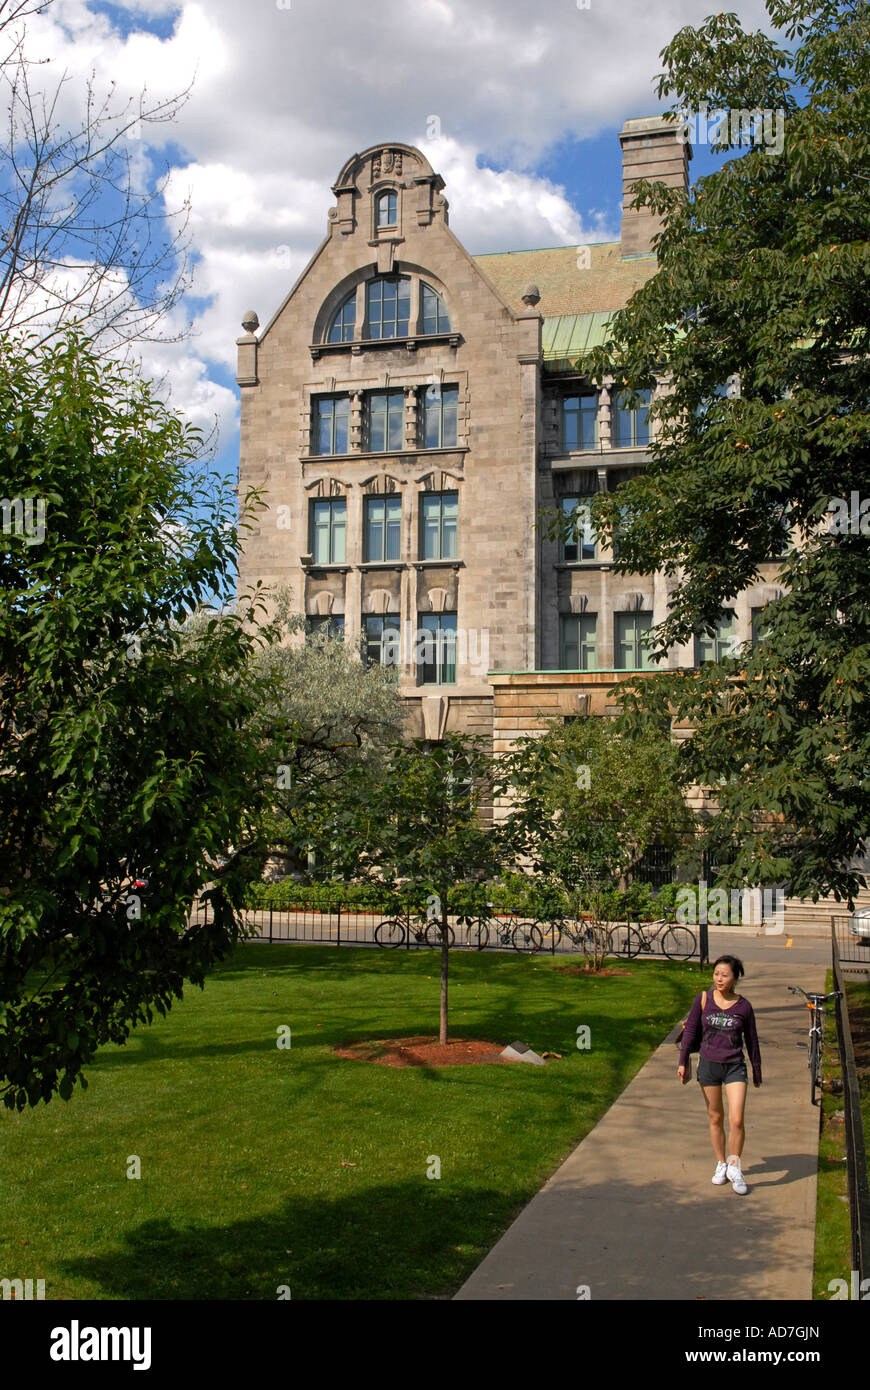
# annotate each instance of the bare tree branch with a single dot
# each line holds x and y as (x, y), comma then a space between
(85, 237)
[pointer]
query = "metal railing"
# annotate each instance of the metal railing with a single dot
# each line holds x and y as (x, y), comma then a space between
(856, 1152)
(344, 925)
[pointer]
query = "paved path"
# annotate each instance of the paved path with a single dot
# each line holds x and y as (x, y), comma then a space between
(632, 1213)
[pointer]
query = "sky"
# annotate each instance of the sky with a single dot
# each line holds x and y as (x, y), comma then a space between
(516, 105)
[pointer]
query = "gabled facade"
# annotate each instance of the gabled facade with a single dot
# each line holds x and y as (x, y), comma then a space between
(409, 411)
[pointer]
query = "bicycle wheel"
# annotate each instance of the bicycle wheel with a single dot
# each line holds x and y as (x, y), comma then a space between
(433, 934)
(545, 930)
(527, 936)
(678, 943)
(624, 941)
(390, 933)
(477, 934)
(815, 1066)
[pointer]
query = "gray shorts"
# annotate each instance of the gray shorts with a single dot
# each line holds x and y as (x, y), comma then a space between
(720, 1073)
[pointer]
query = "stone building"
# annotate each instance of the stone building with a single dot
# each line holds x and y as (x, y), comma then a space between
(409, 410)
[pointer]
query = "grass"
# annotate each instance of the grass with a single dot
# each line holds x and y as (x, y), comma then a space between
(833, 1257)
(263, 1168)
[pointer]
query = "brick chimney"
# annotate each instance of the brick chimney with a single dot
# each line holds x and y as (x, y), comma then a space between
(651, 150)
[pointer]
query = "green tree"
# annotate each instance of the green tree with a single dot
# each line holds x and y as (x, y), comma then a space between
(588, 800)
(763, 278)
(416, 821)
(325, 711)
(124, 754)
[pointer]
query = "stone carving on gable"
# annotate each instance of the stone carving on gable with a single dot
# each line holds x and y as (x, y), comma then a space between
(387, 164)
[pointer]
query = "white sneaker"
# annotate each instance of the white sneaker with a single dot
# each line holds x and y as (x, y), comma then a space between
(735, 1177)
(720, 1174)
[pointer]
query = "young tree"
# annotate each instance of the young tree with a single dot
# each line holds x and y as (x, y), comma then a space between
(588, 801)
(763, 280)
(412, 821)
(328, 711)
(84, 236)
(124, 756)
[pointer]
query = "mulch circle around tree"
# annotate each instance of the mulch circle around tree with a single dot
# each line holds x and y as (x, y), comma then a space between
(422, 1052)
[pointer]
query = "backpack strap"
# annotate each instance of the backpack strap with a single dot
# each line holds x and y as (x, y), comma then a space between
(703, 1000)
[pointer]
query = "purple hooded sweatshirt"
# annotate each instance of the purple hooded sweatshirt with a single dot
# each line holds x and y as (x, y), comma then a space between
(721, 1033)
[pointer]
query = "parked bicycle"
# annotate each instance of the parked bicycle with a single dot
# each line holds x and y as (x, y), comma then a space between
(816, 1039)
(673, 939)
(478, 931)
(584, 934)
(426, 931)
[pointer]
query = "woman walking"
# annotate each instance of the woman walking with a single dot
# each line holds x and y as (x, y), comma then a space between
(721, 1020)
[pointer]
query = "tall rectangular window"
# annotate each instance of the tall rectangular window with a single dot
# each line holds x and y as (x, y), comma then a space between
(439, 515)
(629, 429)
(629, 650)
(328, 530)
(331, 421)
(436, 649)
(580, 422)
(581, 546)
(388, 307)
(721, 644)
(329, 626)
(385, 420)
(435, 316)
(387, 210)
(440, 409)
(760, 625)
(382, 640)
(578, 644)
(383, 528)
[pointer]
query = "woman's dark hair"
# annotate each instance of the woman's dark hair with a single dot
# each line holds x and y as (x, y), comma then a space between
(736, 965)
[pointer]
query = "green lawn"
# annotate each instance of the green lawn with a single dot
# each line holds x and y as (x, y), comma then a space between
(833, 1252)
(244, 1147)
(832, 1247)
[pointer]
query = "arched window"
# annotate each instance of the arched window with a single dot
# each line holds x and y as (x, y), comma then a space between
(388, 210)
(388, 307)
(435, 316)
(342, 327)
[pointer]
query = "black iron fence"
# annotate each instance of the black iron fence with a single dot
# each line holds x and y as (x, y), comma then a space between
(843, 947)
(343, 925)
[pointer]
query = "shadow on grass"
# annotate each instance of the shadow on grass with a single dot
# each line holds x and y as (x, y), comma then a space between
(421, 1240)
(414, 1239)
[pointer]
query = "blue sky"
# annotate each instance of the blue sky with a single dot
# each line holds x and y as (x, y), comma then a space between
(526, 103)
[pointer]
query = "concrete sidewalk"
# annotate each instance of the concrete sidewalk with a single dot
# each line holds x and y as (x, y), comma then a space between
(632, 1213)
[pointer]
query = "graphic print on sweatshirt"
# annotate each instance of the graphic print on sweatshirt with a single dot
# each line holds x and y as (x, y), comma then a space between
(720, 1020)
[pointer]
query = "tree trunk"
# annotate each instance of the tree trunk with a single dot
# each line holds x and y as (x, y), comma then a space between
(442, 1033)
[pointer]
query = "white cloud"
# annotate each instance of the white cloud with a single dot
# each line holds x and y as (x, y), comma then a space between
(283, 95)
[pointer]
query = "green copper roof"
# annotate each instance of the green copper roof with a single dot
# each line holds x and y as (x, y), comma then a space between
(570, 336)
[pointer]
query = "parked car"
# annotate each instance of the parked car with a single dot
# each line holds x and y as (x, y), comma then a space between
(859, 925)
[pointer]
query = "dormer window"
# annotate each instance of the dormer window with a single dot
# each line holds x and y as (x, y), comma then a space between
(341, 330)
(387, 210)
(388, 307)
